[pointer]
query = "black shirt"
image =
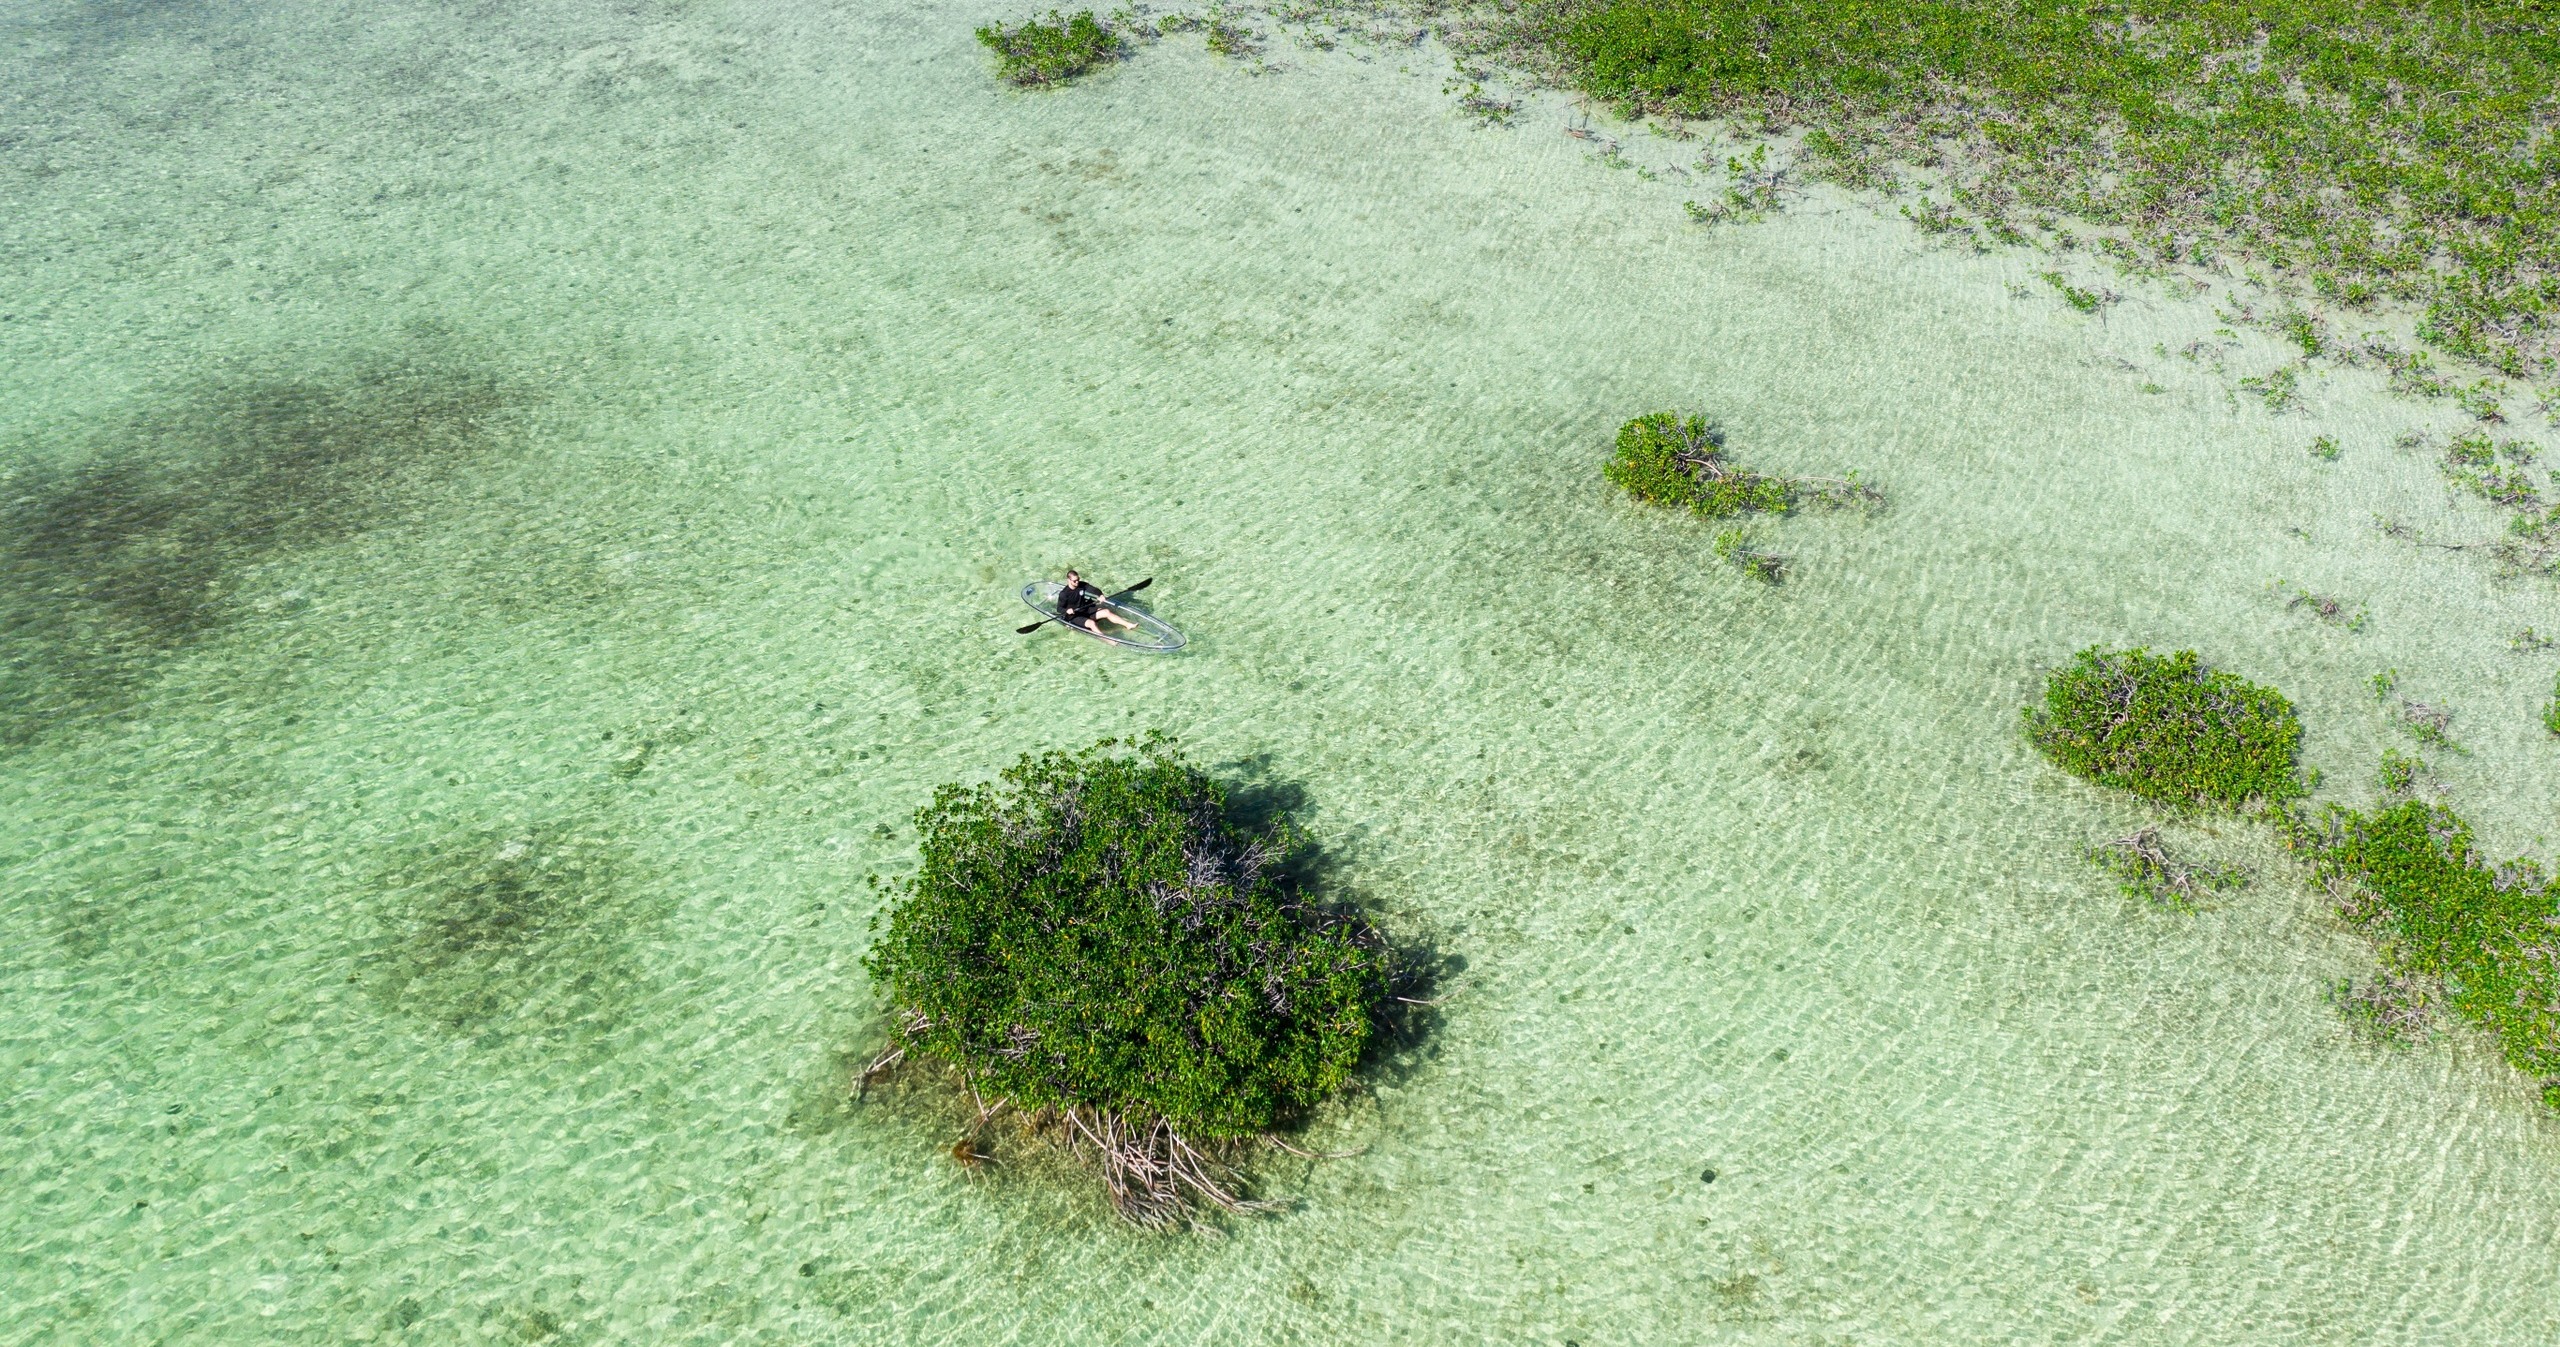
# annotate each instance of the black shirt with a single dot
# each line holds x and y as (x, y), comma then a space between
(1076, 602)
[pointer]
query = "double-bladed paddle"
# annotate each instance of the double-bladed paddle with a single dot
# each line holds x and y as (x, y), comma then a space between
(1107, 598)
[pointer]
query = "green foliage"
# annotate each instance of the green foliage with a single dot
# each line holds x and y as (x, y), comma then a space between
(1735, 548)
(2493, 472)
(2481, 401)
(2304, 330)
(2382, 147)
(1093, 930)
(2399, 773)
(1668, 459)
(2280, 389)
(2086, 301)
(1751, 189)
(2325, 448)
(2145, 868)
(1229, 38)
(2551, 711)
(1037, 53)
(1933, 217)
(2413, 373)
(1665, 458)
(2168, 729)
(2328, 608)
(2395, 1009)
(1468, 85)
(2411, 876)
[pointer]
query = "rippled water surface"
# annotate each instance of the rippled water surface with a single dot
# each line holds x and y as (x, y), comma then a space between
(509, 511)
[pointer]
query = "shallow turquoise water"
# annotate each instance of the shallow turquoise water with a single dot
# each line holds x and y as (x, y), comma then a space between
(512, 512)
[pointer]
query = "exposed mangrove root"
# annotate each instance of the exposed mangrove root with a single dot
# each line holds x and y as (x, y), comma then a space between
(880, 1066)
(1156, 1177)
(910, 1024)
(2144, 868)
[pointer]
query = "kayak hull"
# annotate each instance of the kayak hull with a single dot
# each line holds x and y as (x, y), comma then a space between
(1152, 634)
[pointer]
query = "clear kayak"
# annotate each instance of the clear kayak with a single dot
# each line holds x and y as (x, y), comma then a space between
(1150, 634)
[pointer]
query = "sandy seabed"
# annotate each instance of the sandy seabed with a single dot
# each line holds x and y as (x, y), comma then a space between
(510, 511)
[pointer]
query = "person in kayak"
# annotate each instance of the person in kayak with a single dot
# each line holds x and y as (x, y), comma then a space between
(1080, 604)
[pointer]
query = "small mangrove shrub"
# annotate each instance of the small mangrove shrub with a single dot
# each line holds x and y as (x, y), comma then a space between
(1094, 941)
(1735, 548)
(1934, 217)
(1487, 109)
(2399, 774)
(2303, 330)
(2494, 472)
(2086, 301)
(1036, 52)
(2411, 877)
(2413, 373)
(2280, 389)
(1668, 459)
(1751, 191)
(2169, 729)
(2481, 401)
(2426, 722)
(2145, 868)
(2551, 711)
(1229, 38)
(2497, 472)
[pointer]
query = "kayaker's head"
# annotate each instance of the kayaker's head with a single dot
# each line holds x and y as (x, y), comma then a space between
(1073, 579)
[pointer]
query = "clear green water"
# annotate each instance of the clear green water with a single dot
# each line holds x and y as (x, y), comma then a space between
(513, 509)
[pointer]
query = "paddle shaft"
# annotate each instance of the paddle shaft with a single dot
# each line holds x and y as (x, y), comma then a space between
(1107, 598)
